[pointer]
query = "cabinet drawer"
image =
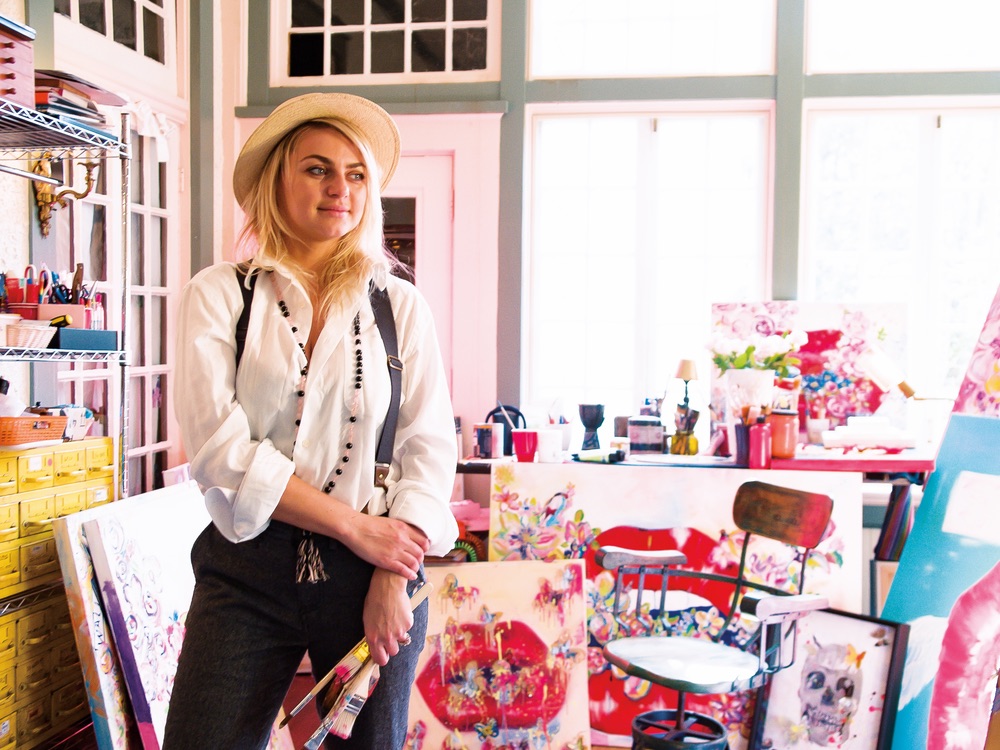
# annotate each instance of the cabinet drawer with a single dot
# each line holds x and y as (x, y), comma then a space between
(33, 719)
(65, 659)
(69, 465)
(68, 702)
(8, 730)
(8, 474)
(37, 513)
(38, 559)
(31, 675)
(101, 459)
(34, 471)
(70, 501)
(7, 691)
(10, 568)
(99, 492)
(8, 640)
(33, 631)
(9, 515)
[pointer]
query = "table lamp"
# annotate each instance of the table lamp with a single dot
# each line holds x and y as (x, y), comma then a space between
(686, 371)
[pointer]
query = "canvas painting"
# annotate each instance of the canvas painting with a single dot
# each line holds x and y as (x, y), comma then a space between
(946, 589)
(841, 690)
(564, 511)
(505, 662)
(836, 381)
(140, 549)
(980, 390)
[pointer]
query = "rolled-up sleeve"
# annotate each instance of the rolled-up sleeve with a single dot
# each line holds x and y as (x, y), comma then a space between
(242, 477)
(425, 448)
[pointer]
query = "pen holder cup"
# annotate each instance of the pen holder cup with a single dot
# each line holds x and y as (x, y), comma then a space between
(497, 415)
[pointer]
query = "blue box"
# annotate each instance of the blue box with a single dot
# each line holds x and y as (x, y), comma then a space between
(85, 339)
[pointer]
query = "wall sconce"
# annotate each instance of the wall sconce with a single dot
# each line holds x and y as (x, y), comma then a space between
(47, 199)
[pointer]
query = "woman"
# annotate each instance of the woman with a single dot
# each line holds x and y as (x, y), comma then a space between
(305, 552)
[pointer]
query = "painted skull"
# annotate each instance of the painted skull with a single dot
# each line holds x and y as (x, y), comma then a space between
(829, 693)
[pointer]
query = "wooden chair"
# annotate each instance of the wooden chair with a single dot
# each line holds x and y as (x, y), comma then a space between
(647, 647)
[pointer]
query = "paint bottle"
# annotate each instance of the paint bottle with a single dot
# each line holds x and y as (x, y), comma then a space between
(760, 445)
(784, 433)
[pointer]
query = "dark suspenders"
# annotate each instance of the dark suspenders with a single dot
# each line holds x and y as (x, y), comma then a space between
(386, 324)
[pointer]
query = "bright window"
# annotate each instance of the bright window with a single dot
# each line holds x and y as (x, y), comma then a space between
(637, 38)
(860, 36)
(903, 207)
(141, 25)
(627, 251)
(361, 41)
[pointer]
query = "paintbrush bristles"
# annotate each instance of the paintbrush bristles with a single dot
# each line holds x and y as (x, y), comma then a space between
(353, 699)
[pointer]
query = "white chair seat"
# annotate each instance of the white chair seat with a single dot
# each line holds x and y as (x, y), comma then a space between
(690, 665)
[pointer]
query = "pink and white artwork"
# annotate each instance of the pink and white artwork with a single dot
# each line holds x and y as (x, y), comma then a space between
(551, 512)
(505, 662)
(980, 390)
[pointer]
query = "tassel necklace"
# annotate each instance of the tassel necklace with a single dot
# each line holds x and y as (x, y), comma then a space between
(308, 564)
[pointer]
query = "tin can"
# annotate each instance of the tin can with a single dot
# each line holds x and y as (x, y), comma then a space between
(482, 446)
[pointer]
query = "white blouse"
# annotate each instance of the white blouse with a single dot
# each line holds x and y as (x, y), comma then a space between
(241, 439)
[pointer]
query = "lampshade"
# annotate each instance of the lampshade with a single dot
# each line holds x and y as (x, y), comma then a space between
(686, 370)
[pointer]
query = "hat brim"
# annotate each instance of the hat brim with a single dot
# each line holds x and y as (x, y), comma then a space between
(363, 115)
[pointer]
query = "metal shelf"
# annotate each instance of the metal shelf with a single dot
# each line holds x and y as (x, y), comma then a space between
(18, 354)
(26, 599)
(24, 132)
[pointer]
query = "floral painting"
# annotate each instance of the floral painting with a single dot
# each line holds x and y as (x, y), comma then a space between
(835, 377)
(556, 512)
(504, 665)
(980, 390)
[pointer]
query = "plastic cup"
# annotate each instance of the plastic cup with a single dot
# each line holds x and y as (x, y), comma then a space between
(525, 444)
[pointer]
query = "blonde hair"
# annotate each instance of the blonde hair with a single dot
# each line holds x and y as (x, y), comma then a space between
(353, 259)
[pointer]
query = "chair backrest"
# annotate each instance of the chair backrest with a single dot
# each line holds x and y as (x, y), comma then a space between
(791, 516)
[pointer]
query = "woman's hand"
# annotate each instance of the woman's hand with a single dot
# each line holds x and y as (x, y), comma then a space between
(387, 615)
(395, 546)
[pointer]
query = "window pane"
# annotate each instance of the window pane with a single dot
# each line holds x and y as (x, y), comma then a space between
(469, 10)
(425, 11)
(137, 329)
(387, 51)
(136, 411)
(427, 51)
(136, 271)
(902, 208)
(157, 251)
(92, 15)
(305, 55)
(347, 12)
(391, 11)
(468, 50)
(600, 289)
(158, 329)
(857, 36)
(159, 415)
(152, 35)
(95, 397)
(347, 53)
(92, 220)
(62, 7)
(123, 16)
(136, 476)
(157, 177)
(651, 38)
(307, 13)
(138, 150)
(159, 465)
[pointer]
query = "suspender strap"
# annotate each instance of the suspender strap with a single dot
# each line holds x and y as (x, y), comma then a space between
(382, 308)
(243, 323)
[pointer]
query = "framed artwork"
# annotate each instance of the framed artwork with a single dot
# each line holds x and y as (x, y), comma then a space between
(843, 687)
(505, 660)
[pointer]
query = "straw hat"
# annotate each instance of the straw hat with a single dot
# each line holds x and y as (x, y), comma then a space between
(365, 116)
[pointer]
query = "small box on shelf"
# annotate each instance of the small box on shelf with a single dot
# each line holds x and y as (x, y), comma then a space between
(83, 339)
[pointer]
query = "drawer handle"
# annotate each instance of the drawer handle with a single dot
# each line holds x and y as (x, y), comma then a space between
(42, 478)
(8, 694)
(37, 525)
(77, 473)
(108, 467)
(11, 483)
(35, 641)
(72, 710)
(9, 533)
(10, 577)
(6, 59)
(8, 91)
(41, 569)
(32, 685)
(9, 76)
(7, 45)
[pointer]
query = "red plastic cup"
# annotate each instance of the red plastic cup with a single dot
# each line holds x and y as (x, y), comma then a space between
(525, 444)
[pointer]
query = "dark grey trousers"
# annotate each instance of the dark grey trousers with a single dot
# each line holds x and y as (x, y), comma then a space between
(248, 628)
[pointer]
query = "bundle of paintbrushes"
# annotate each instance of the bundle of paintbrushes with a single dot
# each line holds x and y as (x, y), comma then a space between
(354, 678)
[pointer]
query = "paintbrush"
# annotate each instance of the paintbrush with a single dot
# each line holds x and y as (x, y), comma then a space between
(350, 700)
(506, 416)
(344, 669)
